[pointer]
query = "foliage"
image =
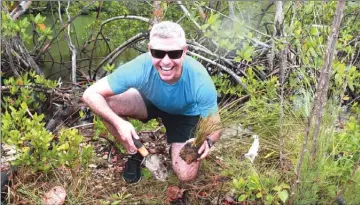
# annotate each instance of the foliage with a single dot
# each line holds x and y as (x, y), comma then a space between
(23, 89)
(117, 198)
(326, 175)
(10, 28)
(265, 190)
(37, 148)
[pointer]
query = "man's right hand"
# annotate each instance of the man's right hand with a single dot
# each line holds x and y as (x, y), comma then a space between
(127, 132)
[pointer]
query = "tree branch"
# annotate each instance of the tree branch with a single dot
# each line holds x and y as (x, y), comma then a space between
(321, 94)
(116, 52)
(187, 13)
(229, 71)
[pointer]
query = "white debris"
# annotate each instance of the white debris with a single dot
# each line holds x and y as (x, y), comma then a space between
(156, 167)
(92, 166)
(253, 151)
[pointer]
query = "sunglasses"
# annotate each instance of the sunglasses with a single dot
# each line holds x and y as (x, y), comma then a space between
(176, 54)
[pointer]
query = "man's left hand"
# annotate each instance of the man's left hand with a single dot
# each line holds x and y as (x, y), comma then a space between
(204, 150)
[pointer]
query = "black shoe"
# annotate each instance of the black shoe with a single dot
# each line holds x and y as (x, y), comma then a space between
(132, 171)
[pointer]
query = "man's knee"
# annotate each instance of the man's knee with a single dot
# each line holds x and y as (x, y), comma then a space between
(185, 172)
(186, 177)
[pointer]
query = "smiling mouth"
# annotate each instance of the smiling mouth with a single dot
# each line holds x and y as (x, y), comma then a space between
(166, 68)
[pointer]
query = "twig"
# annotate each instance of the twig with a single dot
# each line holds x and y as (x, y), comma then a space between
(320, 99)
(118, 50)
(28, 111)
(214, 55)
(343, 187)
(47, 46)
(323, 84)
(100, 33)
(229, 71)
(187, 13)
(72, 48)
(81, 126)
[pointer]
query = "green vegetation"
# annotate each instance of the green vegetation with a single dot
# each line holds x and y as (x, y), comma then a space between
(271, 68)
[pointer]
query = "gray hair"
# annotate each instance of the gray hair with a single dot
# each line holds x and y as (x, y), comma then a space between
(168, 29)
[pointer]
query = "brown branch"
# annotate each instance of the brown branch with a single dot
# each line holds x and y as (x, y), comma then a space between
(100, 33)
(11, 62)
(321, 93)
(279, 32)
(47, 46)
(158, 13)
(20, 9)
(228, 70)
(323, 84)
(118, 50)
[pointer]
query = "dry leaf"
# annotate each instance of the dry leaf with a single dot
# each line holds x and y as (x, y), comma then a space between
(56, 196)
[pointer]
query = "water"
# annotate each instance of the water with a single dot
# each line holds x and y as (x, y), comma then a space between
(60, 52)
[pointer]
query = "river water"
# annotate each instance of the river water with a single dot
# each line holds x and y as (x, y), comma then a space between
(60, 51)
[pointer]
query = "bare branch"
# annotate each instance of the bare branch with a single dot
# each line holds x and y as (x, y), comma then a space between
(132, 40)
(229, 71)
(100, 33)
(196, 48)
(187, 13)
(20, 9)
(321, 94)
(47, 46)
(72, 48)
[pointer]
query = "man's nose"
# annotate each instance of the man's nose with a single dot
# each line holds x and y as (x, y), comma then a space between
(166, 60)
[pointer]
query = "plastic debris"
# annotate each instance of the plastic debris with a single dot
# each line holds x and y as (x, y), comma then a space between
(253, 151)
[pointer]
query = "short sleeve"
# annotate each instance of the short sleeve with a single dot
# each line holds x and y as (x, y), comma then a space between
(127, 76)
(207, 100)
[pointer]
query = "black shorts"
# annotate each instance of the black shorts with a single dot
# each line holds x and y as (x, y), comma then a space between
(179, 128)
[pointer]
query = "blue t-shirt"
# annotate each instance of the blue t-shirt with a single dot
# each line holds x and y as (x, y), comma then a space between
(193, 94)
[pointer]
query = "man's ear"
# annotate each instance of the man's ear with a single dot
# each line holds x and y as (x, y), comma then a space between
(148, 47)
(185, 49)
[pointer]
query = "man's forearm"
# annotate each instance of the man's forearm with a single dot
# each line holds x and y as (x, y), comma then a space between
(215, 136)
(99, 106)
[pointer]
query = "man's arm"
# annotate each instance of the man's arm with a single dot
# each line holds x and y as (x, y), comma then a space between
(215, 136)
(94, 97)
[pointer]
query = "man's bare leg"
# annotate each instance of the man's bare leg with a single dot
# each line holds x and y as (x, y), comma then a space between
(127, 104)
(185, 172)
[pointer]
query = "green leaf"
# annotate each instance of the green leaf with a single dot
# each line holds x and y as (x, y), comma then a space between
(277, 188)
(259, 195)
(146, 173)
(285, 186)
(269, 199)
(242, 197)
(283, 195)
(314, 31)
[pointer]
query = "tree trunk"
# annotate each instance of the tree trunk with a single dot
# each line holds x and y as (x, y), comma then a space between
(321, 95)
(323, 83)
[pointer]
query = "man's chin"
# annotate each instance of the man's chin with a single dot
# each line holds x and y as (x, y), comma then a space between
(167, 78)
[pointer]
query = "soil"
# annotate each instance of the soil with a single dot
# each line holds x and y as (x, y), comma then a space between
(189, 153)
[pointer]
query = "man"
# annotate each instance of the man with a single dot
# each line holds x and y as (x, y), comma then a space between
(162, 83)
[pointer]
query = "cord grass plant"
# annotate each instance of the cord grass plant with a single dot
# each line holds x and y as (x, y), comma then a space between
(229, 113)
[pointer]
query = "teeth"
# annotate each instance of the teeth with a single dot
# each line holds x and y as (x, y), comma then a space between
(166, 68)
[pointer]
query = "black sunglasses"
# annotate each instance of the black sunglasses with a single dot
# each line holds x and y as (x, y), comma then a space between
(161, 54)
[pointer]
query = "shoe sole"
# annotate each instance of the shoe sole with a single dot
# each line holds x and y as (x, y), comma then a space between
(131, 182)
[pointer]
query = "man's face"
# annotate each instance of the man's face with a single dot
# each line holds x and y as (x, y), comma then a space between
(168, 63)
